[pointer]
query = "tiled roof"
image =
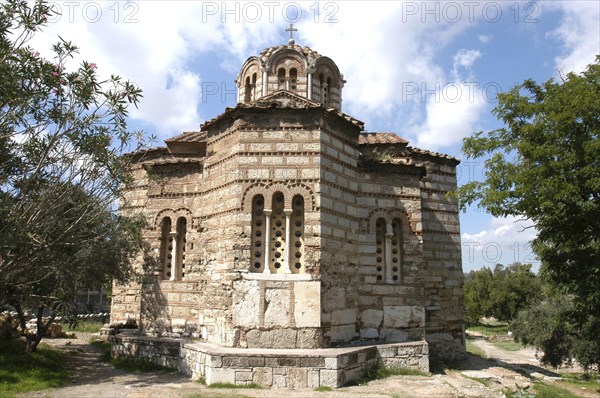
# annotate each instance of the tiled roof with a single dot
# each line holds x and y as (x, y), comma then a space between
(189, 136)
(309, 53)
(173, 160)
(380, 138)
(432, 153)
(296, 102)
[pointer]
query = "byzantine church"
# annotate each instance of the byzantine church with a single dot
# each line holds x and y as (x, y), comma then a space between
(283, 223)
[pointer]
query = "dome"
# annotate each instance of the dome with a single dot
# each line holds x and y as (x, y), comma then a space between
(293, 68)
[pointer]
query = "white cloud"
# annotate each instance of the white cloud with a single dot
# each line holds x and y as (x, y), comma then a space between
(579, 32)
(504, 240)
(485, 38)
(464, 59)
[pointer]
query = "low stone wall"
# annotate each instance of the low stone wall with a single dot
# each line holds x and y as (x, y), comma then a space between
(278, 368)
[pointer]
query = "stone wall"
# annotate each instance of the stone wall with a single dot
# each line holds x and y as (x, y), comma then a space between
(443, 275)
(292, 369)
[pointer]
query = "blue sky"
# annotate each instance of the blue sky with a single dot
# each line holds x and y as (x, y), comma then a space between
(427, 70)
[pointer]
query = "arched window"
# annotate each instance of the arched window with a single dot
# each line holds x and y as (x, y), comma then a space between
(293, 79)
(180, 246)
(281, 79)
(253, 86)
(278, 220)
(247, 90)
(396, 249)
(380, 229)
(277, 236)
(388, 250)
(296, 255)
(323, 88)
(258, 234)
(166, 247)
(172, 256)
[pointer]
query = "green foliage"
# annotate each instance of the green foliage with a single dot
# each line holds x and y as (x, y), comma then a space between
(589, 381)
(548, 390)
(378, 370)
(490, 330)
(544, 166)
(125, 363)
(22, 371)
(233, 386)
(63, 132)
(323, 388)
(473, 349)
(520, 392)
(501, 293)
(552, 327)
(507, 345)
(86, 327)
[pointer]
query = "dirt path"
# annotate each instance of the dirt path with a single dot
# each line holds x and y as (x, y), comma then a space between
(477, 377)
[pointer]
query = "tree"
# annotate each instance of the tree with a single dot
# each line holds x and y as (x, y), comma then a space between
(544, 166)
(502, 293)
(550, 326)
(63, 132)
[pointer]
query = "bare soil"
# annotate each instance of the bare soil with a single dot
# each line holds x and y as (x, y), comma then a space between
(474, 377)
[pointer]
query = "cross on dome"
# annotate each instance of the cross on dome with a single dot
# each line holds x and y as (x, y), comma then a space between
(291, 29)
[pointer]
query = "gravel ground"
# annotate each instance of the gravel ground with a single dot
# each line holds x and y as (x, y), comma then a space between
(477, 377)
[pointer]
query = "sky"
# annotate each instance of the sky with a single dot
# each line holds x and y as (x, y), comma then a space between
(427, 70)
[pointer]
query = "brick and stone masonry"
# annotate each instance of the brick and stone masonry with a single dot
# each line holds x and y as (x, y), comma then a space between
(282, 224)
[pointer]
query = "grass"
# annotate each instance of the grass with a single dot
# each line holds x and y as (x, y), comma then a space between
(473, 349)
(378, 370)
(323, 388)
(548, 390)
(127, 364)
(581, 380)
(85, 327)
(489, 330)
(231, 385)
(22, 371)
(508, 345)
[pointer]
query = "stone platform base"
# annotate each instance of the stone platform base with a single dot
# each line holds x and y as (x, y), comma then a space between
(278, 368)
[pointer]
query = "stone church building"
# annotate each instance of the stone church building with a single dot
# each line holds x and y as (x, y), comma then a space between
(282, 223)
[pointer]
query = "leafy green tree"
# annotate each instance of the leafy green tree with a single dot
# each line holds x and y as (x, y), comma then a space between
(502, 293)
(550, 326)
(62, 135)
(544, 166)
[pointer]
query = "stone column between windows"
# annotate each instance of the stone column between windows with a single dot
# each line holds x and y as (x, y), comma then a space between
(173, 238)
(309, 73)
(265, 82)
(388, 254)
(288, 251)
(267, 267)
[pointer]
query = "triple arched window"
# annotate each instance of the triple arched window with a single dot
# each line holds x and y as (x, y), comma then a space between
(277, 235)
(388, 237)
(173, 245)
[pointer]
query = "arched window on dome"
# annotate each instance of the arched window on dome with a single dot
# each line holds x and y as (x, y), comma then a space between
(247, 90)
(281, 79)
(293, 79)
(328, 93)
(254, 77)
(324, 85)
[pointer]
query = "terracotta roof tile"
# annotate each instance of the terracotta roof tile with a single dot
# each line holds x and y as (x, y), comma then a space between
(380, 138)
(432, 153)
(189, 136)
